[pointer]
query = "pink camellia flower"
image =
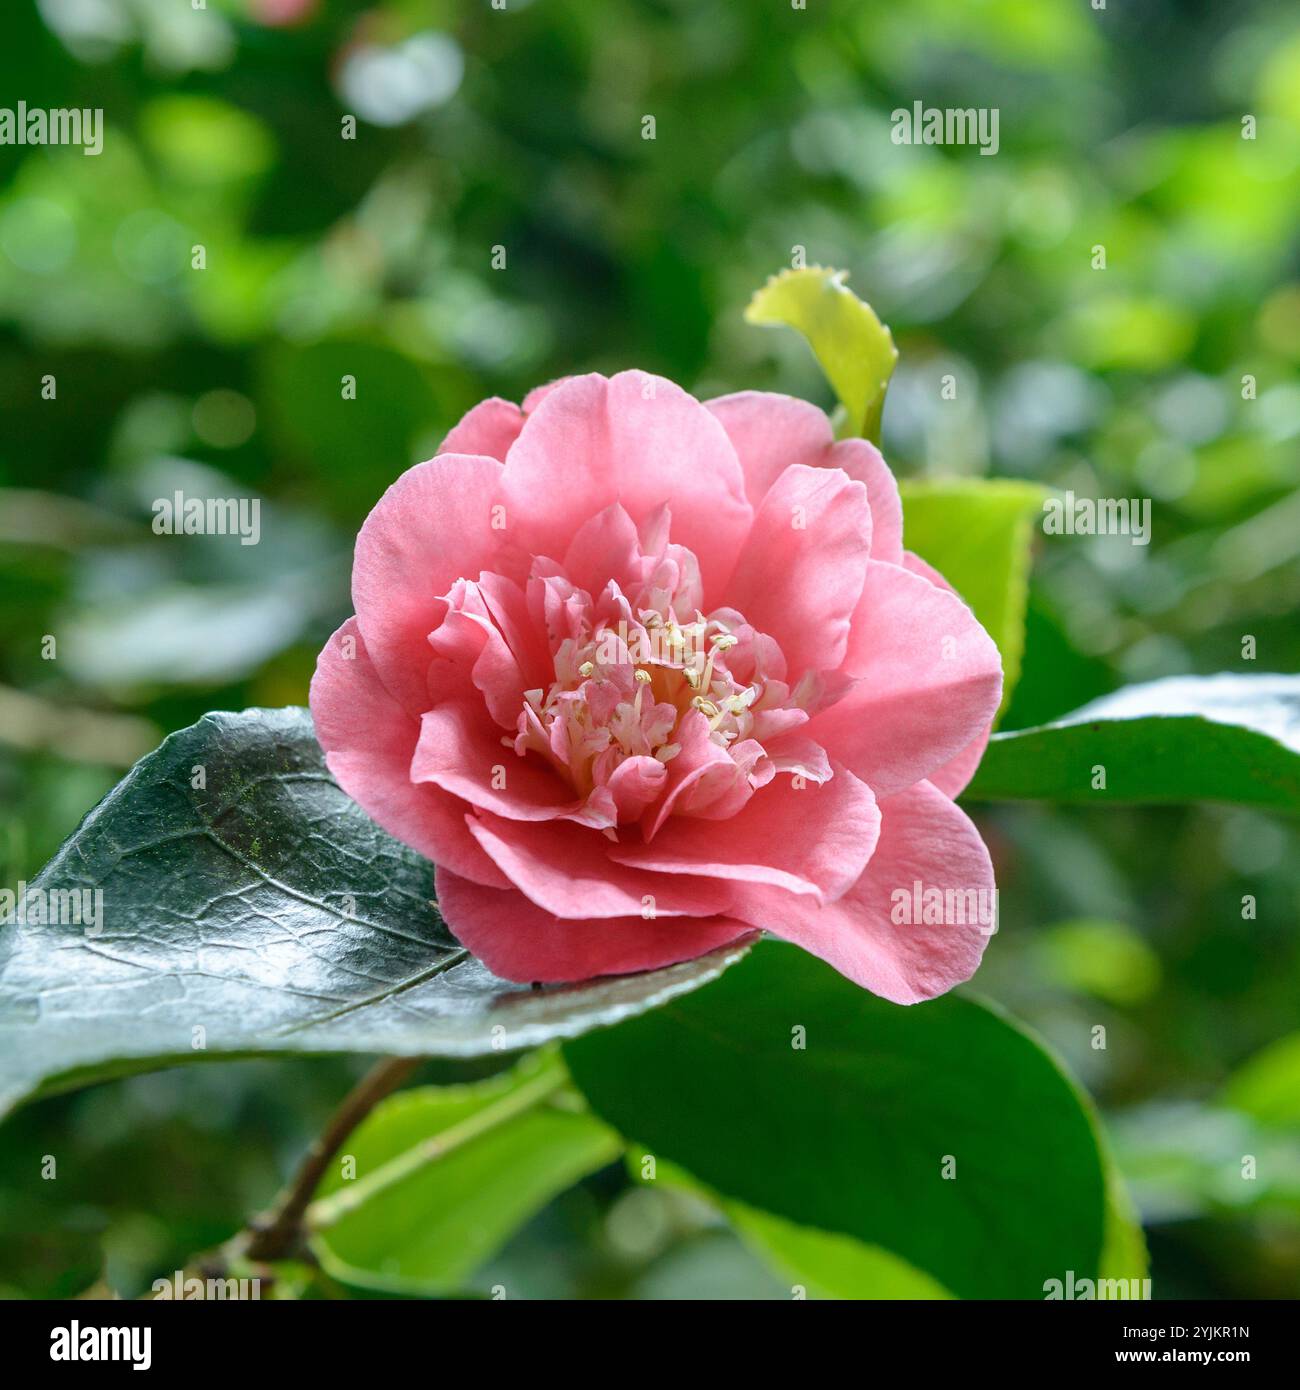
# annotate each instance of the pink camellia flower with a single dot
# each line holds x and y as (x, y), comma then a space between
(641, 674)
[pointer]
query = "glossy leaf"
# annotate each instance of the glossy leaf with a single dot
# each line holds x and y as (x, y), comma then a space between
(248, 906)
(942, 1133)
(1187, 738)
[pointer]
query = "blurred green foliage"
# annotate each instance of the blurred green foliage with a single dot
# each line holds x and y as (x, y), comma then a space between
(521, 129)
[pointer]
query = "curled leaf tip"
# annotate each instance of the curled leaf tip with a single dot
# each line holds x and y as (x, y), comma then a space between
(853, 347)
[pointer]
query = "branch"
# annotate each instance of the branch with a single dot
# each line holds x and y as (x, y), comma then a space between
(277, 1234)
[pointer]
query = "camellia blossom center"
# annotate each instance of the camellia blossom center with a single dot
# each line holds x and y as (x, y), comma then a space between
(641, 684)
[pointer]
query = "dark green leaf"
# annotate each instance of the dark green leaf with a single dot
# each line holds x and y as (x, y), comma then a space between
(1187, 738)
(852, 1133)
(1055, 677)
(262, 912)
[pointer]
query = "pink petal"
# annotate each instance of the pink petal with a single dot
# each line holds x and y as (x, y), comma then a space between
(432, 527)
(489, 429)
(634, 439)
(770, 431)
(489, 640)
(478, 656)
(634, 784)
(791, 752)
(813, 840)
(518, 941)
(927, 680)
(722, 790)
(800, 574)
(460, 750)
(539, 393)
(697, 757)
(605, 547)
(369, 741)
(566, 870)
(954, 776)
(862, 461)
(924, 840)
(557, 609)
(508, 605)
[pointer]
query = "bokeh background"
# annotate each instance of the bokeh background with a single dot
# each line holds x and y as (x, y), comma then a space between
(479, 128)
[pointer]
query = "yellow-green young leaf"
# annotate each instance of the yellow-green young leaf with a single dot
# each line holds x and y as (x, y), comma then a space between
(978, 533)
(1106, 959)
(827, 1265)
(1267, 1085)
(819, 1264)
(854, 348)
(442, 1176)
(1124, 1248)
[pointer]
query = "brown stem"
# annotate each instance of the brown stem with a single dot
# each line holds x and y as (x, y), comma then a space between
(277, 1234)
